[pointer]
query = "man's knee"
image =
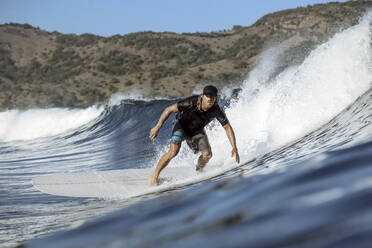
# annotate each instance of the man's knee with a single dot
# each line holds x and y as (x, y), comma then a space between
(173, 151)
(207, 155)
(172, 154)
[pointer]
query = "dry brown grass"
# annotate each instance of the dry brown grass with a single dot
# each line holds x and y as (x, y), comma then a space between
(173, 65)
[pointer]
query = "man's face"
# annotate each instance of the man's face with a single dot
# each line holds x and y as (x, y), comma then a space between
(209, 101)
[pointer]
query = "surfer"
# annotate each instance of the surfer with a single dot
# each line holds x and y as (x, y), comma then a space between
(193, 114)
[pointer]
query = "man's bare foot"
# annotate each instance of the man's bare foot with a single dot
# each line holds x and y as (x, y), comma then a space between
(199, 168)
(154, 180)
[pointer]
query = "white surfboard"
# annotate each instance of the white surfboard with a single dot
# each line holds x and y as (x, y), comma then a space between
(110, 184)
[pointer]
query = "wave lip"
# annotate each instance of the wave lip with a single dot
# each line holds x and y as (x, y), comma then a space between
(274, 111)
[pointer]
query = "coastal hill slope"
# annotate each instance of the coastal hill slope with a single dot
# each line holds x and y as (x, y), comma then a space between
(50, 69)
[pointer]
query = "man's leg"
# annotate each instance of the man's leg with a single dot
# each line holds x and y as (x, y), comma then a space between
(203, 159)
(204, 146)
(163, 162)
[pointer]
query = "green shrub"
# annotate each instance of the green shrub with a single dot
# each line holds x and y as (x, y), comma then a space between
(120, 63)
(93, 95)
(7, 65)
(114, 81)
(149, 40)
(184, 51)
(247, 47)
(67, 39)
(195, 54)
(163, 71)
(62, 65)
(17, 32)
(228, 77)
(129, 83)
(76, 40)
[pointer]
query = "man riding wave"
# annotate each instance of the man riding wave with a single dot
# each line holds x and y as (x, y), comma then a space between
(193, 114)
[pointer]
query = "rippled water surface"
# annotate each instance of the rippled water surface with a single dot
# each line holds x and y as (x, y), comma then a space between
(305, 180)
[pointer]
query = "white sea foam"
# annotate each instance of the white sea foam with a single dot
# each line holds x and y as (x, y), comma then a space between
(275, 110)
(36, 123)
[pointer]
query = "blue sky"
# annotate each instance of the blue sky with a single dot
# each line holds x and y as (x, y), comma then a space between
(110, 17)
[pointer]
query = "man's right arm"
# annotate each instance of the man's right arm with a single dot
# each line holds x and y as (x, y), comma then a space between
(164, 116)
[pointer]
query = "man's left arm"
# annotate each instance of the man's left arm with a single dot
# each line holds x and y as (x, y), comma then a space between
(231, 135)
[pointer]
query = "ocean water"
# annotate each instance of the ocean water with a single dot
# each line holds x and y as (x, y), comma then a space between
(305, 179)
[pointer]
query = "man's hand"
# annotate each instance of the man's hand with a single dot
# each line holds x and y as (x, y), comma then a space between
(164, 116)
(234, 153)
(154, 132)
(231, 136)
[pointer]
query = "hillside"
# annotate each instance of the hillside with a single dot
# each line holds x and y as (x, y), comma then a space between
(50, 69)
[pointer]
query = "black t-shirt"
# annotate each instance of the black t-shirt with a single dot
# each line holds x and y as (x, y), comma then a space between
(194, 120)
